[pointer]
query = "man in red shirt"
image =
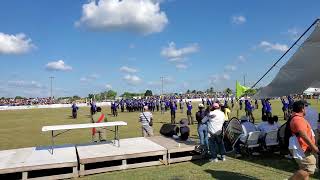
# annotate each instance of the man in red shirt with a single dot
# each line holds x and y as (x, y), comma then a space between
(301, 128)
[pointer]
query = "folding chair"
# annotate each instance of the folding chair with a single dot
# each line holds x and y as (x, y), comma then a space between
(271, 139)
(252, 141)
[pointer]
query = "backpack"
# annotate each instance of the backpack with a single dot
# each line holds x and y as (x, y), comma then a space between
(288, 132)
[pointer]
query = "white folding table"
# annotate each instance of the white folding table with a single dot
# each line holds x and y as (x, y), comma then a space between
(69, 127)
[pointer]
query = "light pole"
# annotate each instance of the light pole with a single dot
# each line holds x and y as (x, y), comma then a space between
(51, 79)
(162, 78)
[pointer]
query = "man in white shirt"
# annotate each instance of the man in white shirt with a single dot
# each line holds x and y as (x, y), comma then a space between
(145, 118)
(215, 121)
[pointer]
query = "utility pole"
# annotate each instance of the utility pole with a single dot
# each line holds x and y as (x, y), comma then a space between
(244, 79)
(51, 79)
(162, 78)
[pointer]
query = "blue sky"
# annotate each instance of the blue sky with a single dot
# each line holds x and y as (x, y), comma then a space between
(91, 46)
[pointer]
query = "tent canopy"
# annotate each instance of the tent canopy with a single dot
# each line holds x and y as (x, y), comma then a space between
(300, 72)
(311, 91)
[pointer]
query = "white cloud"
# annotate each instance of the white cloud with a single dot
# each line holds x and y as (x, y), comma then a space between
(293, 33)
(225, 77)
(30, 88)
(108, 86)
(139, 16)
(185, 84)
(15, 44)
(58, 66)
(25, 84)
(267, 46)
(89, 78)
(168, 80)
(219, 77)
(93, 76)
(230, 67)
(84, 79)
(181, 66)
(132, 79)
(127, 69)
(214, 78)
(174, 54)
(238, 19)
(154, 83)
(241, 59)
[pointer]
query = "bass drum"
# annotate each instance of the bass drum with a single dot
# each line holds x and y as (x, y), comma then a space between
(231, 132)
(169, 130)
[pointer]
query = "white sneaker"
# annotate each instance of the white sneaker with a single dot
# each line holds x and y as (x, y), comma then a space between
(223, 159)
(255, 154)
(238, 156)
(214, 160)
(288, 156)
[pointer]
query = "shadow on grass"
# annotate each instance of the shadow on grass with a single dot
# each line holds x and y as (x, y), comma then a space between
(160, 122)
(201, 162)
(277, 162)
(272, 160)
(71, 117)
(88, 116)
(228, 175)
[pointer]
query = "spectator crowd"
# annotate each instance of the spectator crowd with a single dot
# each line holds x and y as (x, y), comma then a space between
(26, 101)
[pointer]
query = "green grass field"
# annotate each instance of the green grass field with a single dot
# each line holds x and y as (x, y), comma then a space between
(22, 128)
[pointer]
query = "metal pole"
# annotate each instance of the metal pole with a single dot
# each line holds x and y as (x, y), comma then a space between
(52, 141)
(286, 52)
(51, 79)
(161, 85)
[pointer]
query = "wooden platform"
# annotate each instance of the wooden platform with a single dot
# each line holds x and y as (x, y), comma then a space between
(39, 163)
(133, 153)
(178, 151)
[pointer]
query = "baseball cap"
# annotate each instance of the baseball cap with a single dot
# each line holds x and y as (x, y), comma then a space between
(216, 105)
(200, 105)
(184, 122)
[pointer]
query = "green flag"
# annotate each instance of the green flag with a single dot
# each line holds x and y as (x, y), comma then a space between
(240, 90)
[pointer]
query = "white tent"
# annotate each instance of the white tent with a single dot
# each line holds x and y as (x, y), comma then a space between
(300, 72)
(311, 91)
